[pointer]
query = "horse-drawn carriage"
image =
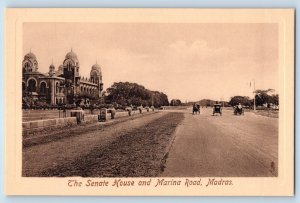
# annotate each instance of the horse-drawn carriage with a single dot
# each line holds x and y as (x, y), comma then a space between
(217, 109)
(238, 110)
(196, 108)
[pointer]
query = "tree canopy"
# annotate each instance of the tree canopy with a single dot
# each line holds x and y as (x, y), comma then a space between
(175, 102)
(264, 97)
(245, 101)
(126, 93)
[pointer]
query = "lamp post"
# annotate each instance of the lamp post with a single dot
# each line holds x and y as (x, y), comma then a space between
(152, 99)
(254, 104)
(222, 100)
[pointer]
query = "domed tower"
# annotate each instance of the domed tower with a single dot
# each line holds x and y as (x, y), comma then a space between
(30, 63)
(60, 70)
(71, 68)
(96, 76)
(95, 73)
(51, 70)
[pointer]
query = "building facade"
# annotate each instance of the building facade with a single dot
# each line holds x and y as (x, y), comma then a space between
(62, 86)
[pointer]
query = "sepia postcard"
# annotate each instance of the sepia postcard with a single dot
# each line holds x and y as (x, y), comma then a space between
(149, 102)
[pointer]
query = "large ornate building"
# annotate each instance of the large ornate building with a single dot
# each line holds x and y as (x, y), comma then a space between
(62, 86)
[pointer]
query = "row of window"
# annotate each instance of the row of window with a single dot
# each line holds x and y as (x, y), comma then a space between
(32, 87)
(60, 101)
(88, 90)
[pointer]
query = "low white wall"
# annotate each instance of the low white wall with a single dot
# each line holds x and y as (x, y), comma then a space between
(40, 124)
(48, 123)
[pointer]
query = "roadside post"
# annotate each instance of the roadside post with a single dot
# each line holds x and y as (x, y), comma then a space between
(152, 107)
(112, 113)
(79, 114)
(64, 111)
(102, 117)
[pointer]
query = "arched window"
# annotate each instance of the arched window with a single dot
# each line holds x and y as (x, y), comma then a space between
(35, 65)
(27, 67)
(32, 85)
(69, 65)
(43, 88)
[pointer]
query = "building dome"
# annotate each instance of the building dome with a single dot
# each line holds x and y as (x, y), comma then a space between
(30, 56)
(30, 63)
(71, 55)
(61, 68)
(51, 70)
(96, 67)
(52, 66)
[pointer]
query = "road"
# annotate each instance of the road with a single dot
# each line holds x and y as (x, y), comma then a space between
(166, 144)
(224, 146)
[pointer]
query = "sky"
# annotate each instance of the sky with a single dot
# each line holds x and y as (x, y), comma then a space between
(187, 61)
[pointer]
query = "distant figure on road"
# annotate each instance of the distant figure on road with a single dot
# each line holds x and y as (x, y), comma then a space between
(129, 109)
(140, 108)
(240, 106)
(238, 110)
(196, 108)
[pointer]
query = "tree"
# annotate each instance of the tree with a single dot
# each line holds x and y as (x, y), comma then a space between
(125, 94)
(275, 99)
(159, 99)
(245, 101)
(175, 102)
(262, 97)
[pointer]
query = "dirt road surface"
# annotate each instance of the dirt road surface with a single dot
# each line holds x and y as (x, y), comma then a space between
(135, 147)
(224, 146)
